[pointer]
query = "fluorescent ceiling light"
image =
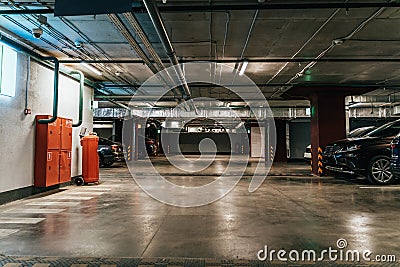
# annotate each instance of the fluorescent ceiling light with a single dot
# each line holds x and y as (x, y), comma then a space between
(243, 68)
(92, 69)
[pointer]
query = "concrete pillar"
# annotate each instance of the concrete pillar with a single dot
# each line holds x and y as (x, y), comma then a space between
(269, 152)
(280, 153)
(328, 124)
(130, 139)
(141, 133)
(328, 119)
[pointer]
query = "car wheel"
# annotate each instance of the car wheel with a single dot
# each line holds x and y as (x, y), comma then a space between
(107, 164)
(101, 161)
(378, 171)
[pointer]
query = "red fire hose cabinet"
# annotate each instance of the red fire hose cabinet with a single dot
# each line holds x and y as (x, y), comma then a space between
(90, 159)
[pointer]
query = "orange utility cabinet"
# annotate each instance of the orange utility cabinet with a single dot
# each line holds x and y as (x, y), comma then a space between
(66, 134)
(90, 158)
(65, 166)
(53, 152)
(66, 150)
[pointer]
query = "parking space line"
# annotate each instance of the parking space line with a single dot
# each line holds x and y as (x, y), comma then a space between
(53, 203)
(11, 220)
(69, 197)
(97, 189)
(7, 232)
(86, 193)
(34, 211)
(380, 187)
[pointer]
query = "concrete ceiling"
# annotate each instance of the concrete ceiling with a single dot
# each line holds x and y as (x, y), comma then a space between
(368, 33)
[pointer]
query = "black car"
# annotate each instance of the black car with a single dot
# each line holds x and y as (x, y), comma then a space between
(368, 155)
(106, 155)
(360, 131)
(395, 157)
(116, 148)
(353, 134)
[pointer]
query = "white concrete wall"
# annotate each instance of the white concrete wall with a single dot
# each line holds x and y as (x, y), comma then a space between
(17, 131)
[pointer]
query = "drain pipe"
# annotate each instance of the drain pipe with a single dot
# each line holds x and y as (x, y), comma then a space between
(55, 101)
(158, 24)
(81, 87)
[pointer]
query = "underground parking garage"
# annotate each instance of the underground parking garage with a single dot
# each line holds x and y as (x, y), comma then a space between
(199, 133)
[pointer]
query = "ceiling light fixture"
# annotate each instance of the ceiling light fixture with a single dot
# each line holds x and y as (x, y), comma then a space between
(92, 69)
(243, 67)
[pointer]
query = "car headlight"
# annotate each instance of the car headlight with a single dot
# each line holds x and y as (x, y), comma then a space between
(351, 148)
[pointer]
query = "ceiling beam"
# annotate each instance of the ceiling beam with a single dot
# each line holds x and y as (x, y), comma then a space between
(244, 7)
(26, 11)
(254, 60)
(268, 6)
(206, 85)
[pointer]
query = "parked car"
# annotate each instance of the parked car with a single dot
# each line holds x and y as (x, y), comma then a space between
(395, 156)
(106, 155)
(358, 132)
(151, 147)
(307, 153)
(368, 155)
(115, 146)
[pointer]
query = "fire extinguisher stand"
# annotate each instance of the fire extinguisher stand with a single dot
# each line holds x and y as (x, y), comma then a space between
(90, 160)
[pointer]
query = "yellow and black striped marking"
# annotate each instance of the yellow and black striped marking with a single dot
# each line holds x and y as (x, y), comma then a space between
(320, 165)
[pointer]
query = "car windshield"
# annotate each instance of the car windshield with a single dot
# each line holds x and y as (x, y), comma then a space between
(360, 131)
(386, 130)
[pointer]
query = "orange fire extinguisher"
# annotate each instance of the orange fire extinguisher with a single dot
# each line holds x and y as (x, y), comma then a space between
(90, 159)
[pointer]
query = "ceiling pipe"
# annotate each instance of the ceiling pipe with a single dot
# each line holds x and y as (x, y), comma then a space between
(310, 85)
(243, 64)
(20, 48)
(116, 68)
(61, 38)
(337, 41)
(119, 24)
(267, 6)
(254, 60)
(155, 17)
(131, 40)
(146, 42)
(305, 44)
(39, 57)
(246, 7)
(81, 87)
(130, 17)
(55, 90)
(26, 12)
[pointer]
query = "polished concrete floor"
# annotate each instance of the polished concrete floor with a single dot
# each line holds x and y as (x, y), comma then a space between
(291, 210)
